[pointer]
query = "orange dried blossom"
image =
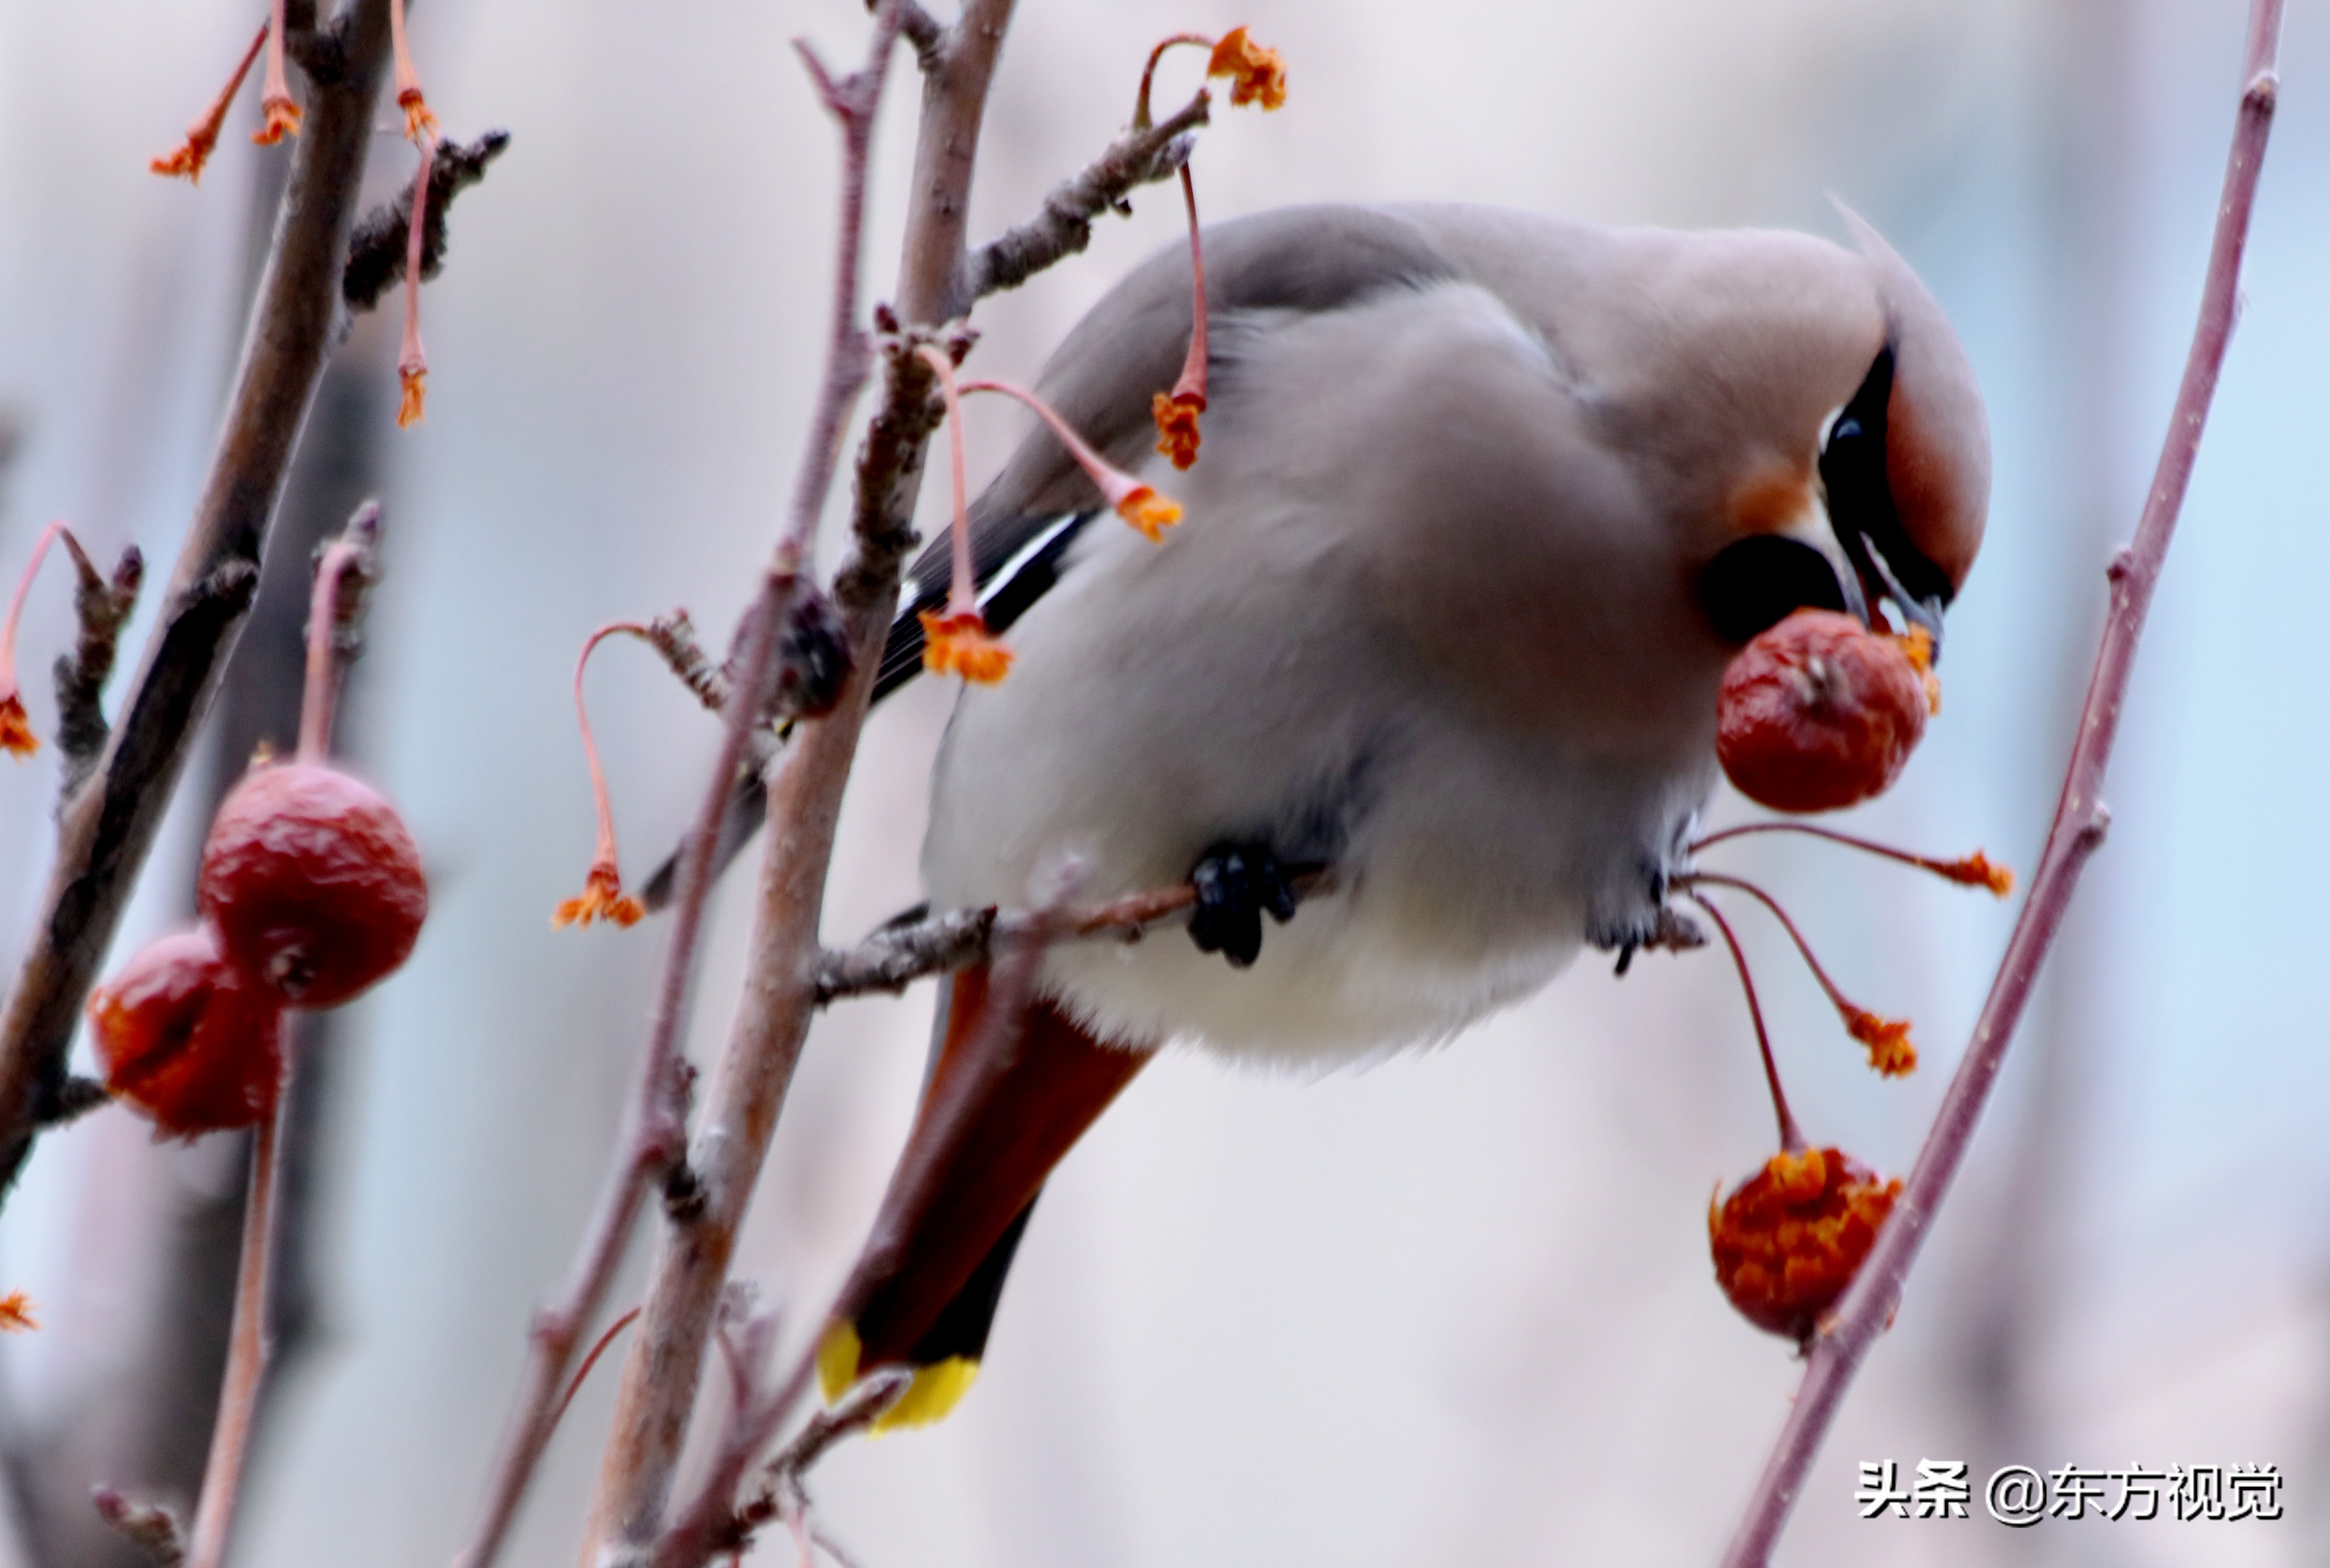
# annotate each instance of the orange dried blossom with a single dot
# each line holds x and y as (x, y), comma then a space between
(1891, 1052)
(187, 160)
(418, 123)
(1255, 73)
(16, 1312)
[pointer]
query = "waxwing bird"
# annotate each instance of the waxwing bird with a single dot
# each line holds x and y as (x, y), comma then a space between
(1485, 503)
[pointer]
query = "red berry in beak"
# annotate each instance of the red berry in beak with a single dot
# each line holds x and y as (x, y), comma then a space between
(186, 1040)
(1819, 712)
(313, 881)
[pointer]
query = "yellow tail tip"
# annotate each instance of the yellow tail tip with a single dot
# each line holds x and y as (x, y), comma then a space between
(934, 1392)
(836, 1360)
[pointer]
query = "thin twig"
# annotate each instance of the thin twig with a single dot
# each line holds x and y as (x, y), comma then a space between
(657, 1137)
(247, 1347)
(897, 956)
(105, 830)
(2081, 820)
(1064, 228)
(376, 247)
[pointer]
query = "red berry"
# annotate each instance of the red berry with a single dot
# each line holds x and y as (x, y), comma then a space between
(313, 882)
(1818, 712)
(186, 1040)
(1791, 1239)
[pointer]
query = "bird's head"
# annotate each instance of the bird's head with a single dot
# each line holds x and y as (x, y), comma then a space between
(1903, 479)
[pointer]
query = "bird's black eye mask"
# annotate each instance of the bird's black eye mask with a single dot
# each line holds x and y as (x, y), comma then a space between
(1758, 582)
(1860, 504)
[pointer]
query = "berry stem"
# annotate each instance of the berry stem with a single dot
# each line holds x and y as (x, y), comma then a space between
(604, 854)
(1792, 1138)
(412, 358)
(1149, 72)
(1115, 485)
(1845, 1006)
(188, 157)
(963, 594)
(1972, 871)
(16, 606)
(247, 1349)
(321, 694)
(1192, 383)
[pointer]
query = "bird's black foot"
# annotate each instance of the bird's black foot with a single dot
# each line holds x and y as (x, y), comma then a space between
(1235, 883)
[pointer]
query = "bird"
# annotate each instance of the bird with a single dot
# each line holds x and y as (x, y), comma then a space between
(1427, 676)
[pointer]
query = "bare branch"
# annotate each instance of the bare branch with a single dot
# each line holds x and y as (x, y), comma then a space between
(101, 606)
(635, 1477)
(376, 247)
(105, 830)
(661, 1372)
(1064, 228)
(2077, 832)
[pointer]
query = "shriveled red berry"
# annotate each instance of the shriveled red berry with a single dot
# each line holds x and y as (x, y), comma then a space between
(313, 881)
(1790, 1239)
(186, 1040)
(1819, 712)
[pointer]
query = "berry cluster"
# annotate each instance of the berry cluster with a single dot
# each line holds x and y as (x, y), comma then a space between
(310, 891)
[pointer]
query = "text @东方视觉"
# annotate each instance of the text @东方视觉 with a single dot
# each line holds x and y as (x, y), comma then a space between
(2020, 1494)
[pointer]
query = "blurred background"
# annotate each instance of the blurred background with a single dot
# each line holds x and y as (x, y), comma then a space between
(1457, 1309)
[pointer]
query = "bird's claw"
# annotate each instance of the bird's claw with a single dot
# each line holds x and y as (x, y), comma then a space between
(1235, 883)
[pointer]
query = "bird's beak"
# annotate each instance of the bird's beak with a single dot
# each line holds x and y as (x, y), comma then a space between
(1866, 561)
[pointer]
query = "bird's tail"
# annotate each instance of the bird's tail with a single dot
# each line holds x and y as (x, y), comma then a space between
(1006, 1098)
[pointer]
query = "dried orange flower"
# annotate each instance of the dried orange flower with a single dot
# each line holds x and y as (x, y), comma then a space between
(16, 1312)
(283, 117)
(1891, 1052)
(187, 160)
(1254, 72)
(1148, 511)
(603, 899)
(418, 121)
(959, 643)
(1979, 871)
(1788, 1242)
(16, 736)
(1177, 427)
(411, 395)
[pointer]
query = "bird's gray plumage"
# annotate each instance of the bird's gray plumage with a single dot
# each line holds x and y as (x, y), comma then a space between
(1434, 614)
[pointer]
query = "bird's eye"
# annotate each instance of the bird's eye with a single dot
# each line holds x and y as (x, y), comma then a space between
(1758, 582)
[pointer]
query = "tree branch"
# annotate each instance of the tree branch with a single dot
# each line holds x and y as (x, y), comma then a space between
(2078, 830)
(661, 1372)
(105, 830)
(1064, 228)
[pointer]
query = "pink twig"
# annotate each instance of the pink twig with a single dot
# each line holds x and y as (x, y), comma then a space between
(2081, 820)
(247, 1346)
